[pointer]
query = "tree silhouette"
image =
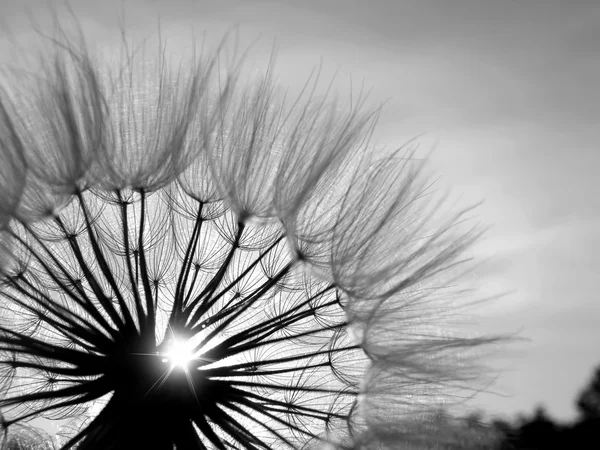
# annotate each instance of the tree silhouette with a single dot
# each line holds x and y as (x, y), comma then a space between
(588, 403)
(188, 263)
(542, 432)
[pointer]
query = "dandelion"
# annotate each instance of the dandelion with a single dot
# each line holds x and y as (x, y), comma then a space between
(27, 438)
(188, 261)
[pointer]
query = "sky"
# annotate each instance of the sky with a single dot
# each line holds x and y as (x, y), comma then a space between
(507, 91)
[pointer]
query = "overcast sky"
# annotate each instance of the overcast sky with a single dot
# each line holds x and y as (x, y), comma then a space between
(509, 89)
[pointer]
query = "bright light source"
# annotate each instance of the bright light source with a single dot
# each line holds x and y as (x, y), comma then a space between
(179, 354)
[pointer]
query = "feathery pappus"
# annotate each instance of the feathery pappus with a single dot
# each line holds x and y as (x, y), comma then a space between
(190, 260)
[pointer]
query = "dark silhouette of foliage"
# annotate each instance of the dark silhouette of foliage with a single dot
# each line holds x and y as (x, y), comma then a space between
(588, 403)
(540, 432)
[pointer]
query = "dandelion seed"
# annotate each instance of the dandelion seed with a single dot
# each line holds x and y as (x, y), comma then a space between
(186, 264)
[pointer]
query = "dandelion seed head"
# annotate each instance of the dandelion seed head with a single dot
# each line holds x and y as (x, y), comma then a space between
(215, 262)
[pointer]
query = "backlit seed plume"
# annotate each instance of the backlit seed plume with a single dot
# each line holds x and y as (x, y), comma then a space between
(192, 260)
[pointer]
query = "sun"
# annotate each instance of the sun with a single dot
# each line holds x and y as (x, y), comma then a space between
(180, 353)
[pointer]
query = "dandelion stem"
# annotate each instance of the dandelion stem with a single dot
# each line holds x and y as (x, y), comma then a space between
(106, 271)
(149, 324)
(141, 314)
